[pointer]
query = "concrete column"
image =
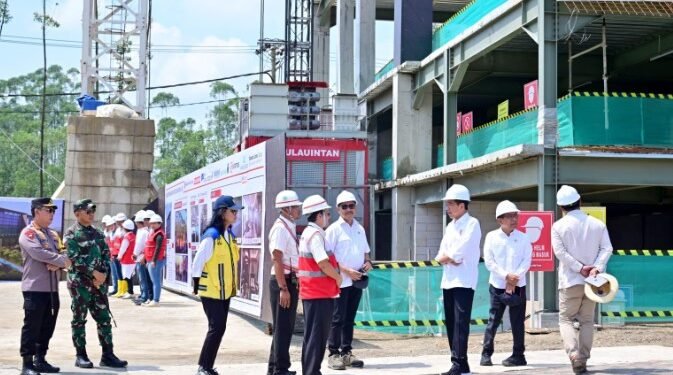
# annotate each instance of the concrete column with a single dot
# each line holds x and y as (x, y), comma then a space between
(402, 224)
(365, 39)
(320, 55)
(413, 30)
(428, 231)
(450, 138)
(412, 129)
(345, 18)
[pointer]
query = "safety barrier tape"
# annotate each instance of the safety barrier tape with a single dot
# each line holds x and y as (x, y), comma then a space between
(638, 314)
(624, 94)
(410, 264)
(412, 323)
(647, 253)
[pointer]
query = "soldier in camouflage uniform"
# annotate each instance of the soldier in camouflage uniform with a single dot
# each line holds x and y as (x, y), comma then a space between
(87, 284)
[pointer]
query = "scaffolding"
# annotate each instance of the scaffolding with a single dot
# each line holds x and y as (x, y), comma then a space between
(299, 40)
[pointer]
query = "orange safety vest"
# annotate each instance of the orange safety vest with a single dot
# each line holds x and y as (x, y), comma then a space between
(151, 245)
(128, 254)
(116, 245)
(313, 282)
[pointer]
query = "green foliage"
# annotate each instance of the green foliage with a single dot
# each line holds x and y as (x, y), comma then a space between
(5, 17)
(47, 19)
(20, 131)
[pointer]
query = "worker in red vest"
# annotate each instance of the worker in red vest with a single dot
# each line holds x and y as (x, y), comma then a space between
(115, 265)
(319, 283)
(155, 256)
(126, 258)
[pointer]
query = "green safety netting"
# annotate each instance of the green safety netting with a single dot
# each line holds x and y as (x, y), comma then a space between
(645, 284)
(384, 70)
(414, 294)
(467, 17)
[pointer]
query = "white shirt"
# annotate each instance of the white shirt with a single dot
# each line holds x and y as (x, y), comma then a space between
(349, 244)
(461, 243)
(579, 240)
(282, 236)
(505, 254)
(141, 239)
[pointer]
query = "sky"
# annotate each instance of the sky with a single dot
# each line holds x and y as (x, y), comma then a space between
(228, 27)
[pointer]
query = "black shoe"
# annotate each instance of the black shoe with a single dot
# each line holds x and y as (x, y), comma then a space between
(110, 360)
(579, 367)
(286, 373)
(485, 360)
(455, 370)
(40, 364)
(82, 359)
(27, 368)
(28, 371)
(514, 361)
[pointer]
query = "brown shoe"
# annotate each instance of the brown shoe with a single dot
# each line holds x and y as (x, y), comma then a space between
(579, 367)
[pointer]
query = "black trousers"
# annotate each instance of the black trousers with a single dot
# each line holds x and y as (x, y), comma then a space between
(458, 312)
(38, 322)
(343, 320)
(317, 318)
(283, 324)
(217, 312)
(517, 315)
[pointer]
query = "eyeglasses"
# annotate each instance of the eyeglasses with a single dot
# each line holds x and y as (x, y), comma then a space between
(349, 206)
(51, 210)
(90, 211)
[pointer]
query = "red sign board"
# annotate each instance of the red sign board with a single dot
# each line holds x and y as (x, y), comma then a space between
(467, 122)
(459, 123)
(530, 95)
(537, 226)
(312, 153)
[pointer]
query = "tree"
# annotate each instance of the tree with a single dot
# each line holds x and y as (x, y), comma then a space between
(5, 17)
(164, 100)
(223, 120)
(20, 130)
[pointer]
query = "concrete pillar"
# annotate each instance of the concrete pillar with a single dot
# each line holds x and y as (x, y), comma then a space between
(110, 161)
(412, 129)
(365, 39)
(413, 30)
(428, 230)
(402, 223)
(450, 140)
(345, 18)
(320, 55)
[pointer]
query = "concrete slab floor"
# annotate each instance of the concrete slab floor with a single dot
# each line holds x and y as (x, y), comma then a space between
(167, 340)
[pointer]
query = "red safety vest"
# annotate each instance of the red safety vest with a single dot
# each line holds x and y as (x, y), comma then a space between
(116, 245)
(151, 245)
(128, 254)
(313, 282)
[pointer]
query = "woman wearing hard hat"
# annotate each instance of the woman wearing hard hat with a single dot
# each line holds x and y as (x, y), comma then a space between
(507, 254)
(126, 259)
(459, 254)
(582, 245)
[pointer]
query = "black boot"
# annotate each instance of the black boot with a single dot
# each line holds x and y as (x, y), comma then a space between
(82, 360)
(110, 360)
(27, 368)
(40, 364)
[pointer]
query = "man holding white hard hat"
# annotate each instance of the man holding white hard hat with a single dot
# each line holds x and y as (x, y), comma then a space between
(582, 245)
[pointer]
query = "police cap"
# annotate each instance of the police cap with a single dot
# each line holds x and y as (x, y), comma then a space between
(84, 204)
(42, 202)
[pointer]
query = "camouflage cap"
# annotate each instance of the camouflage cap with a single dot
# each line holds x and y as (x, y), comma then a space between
(84, 204)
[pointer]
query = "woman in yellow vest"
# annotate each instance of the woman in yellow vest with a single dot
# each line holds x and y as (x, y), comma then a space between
(215, 277)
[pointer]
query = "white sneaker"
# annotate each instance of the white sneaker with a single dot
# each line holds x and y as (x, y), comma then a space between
(127, 296)
(152, 304)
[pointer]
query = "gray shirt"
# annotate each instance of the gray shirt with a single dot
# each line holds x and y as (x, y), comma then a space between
(35, 256)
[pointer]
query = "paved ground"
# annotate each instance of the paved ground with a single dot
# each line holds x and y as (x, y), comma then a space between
(167, 340)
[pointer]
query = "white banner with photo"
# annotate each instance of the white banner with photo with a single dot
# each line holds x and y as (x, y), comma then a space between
(188, 212)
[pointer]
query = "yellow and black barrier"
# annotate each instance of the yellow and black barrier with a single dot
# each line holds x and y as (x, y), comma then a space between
(412, 323)
(409, 264)
(646, 253)
(638, 314)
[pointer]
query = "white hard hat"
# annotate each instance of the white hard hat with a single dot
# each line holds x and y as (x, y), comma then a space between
(314, 203)
(505, 207)
(105, 219)
(287, 198)
(128, 224)
(110, 221)
(139, 216)
(156, 219)
(567, 195)
(457, 192)
(345, 196)
(534, 222)
(120, 216)
(149, 214)
(604, 293)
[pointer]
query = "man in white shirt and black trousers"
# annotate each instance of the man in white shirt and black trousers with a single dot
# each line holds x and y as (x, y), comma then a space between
(507, 253)
(459, 254)
(283, 244)
(346, 237)
(582, 245)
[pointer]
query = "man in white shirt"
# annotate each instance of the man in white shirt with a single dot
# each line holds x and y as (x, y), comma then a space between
(507, 253)
(346, 237)
(139, 256)
(582, 245)
(283, 295)
(459, 254)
